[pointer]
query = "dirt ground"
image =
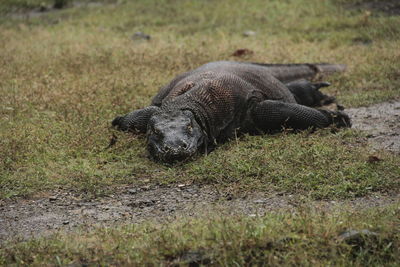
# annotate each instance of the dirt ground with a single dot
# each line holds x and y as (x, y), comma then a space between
(64, 211)
(388, 7)
(381, 123)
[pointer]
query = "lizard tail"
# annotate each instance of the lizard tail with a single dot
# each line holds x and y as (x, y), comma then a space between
(291, 72)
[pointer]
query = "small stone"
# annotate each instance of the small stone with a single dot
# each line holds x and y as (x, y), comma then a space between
(132, 191)
(181, 185)
(146, 187)
(357, 237)
(60, 4)
(259, 201)
(140, 35)
(65, 222)
(229, 197)
(53, 198)
(249, 33)
(362, 41)
(76, 211)
(43, 8)
(193, 258)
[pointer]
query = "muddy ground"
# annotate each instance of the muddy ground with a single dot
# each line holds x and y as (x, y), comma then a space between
(65, 211)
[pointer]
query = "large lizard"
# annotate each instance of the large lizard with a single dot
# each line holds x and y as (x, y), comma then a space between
(219, 100)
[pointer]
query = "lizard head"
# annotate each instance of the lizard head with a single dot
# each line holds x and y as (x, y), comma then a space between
(173, 136)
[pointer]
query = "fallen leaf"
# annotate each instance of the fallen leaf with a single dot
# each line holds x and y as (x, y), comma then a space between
(242, 52)
(373, 159)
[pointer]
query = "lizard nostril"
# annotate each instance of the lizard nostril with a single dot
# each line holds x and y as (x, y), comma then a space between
(184, 145)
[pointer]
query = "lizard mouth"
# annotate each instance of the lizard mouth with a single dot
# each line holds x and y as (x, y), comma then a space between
(170, 155)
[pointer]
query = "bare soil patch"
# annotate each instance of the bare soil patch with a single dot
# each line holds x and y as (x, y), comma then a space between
(388, 7)
(381, 122)
(44, 10)
(65, 211)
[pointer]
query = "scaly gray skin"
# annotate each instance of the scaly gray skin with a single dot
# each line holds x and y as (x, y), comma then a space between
(215, 102)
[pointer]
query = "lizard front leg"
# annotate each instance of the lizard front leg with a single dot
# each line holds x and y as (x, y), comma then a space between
(136, 120)
(274, 115)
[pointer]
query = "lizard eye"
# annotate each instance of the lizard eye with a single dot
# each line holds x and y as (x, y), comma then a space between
(156, 131)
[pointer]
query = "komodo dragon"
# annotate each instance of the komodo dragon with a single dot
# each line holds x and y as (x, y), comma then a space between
(219, 100)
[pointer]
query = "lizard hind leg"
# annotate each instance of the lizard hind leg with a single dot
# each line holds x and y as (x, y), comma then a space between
(271, 115)
(308, 94)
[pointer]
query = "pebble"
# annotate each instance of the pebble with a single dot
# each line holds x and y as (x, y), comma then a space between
(146, 188)
(132, 191)
(356, 237)
(249, 33)
(140, 35)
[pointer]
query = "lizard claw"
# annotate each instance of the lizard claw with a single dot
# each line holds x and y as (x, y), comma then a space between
(119, 124)
(321, 84)
(341, 119)
(337, 118)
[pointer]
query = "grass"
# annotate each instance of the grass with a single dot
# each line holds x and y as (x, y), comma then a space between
(306, 237)
(66, 74)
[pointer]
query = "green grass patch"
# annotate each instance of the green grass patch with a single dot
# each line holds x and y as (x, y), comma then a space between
(321, 165)
(305, 237)
(67, 74)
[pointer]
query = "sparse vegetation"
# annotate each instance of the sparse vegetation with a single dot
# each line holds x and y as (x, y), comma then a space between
(65, 75)
(303, 238)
